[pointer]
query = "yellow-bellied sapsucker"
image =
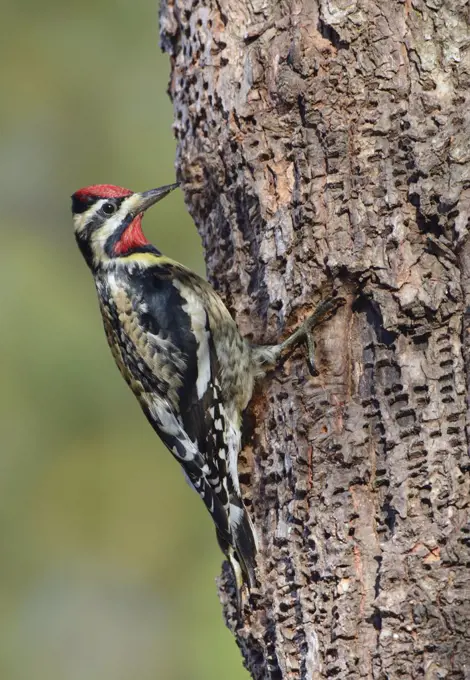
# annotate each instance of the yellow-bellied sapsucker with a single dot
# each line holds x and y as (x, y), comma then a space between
(180, 351)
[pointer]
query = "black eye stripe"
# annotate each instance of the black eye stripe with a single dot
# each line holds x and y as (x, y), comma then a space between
(81, 205)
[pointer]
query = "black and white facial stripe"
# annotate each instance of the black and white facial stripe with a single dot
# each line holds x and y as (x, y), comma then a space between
(100, 223)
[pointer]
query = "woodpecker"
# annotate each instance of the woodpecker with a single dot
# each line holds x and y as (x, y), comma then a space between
(181, 353)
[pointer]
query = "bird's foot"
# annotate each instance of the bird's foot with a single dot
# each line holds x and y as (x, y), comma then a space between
(324, 311)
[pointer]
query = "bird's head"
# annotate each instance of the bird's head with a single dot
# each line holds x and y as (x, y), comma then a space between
(108, 220)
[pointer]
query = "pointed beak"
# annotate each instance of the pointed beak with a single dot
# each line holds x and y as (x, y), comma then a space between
(148, 198)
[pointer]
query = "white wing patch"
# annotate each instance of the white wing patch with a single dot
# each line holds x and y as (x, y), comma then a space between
(196, 312)
(236, 516)
(233, 445)
(163, 414)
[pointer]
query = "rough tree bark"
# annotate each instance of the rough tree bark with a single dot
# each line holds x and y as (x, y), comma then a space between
(325, 144)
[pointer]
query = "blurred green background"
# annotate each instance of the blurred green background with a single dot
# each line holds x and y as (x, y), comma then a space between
(108, 559)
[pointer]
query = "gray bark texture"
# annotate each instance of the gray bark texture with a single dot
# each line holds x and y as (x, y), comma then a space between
(325, 145)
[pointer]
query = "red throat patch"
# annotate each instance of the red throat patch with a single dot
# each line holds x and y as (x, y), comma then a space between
(133, 237)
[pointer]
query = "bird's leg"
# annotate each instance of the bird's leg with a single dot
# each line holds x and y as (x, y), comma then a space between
(324, 310)
(270, 355)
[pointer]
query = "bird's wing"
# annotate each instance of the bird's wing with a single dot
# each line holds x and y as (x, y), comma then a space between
(171, 365)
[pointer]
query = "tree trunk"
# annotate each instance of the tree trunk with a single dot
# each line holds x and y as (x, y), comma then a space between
(325, 145)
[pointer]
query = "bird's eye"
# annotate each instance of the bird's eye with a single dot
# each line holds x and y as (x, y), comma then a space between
(108, 208)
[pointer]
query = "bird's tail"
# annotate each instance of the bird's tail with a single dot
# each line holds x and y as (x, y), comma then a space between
(244, 540)
(234, 529)
(241, 552)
